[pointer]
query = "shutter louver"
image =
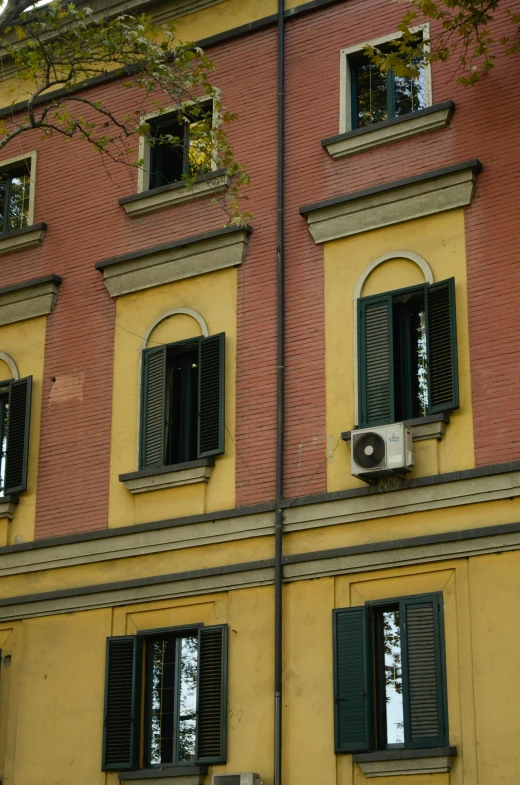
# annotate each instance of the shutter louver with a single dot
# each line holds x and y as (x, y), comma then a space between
(351, 680)
(423, 684)
(18, 423)
(153, 407)
(120, 731)
(375, 361)
(443, 388)
(212, 697)
(212, 367)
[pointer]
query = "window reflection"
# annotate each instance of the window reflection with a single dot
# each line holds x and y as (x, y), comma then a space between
(393, 677)
(4, 409)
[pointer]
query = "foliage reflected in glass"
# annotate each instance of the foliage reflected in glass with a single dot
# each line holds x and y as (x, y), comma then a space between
(181, 145)
(393, 677)
(14, 199)
(4, 410)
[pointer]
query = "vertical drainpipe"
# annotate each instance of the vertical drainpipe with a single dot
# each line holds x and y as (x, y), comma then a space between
(280, 327)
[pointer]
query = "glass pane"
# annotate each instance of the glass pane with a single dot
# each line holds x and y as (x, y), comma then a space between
(409, 94)
(199, 148)
(3, 188)
(162, 700)
(19, 202)
(371, 87)
(393, 677)
(422, 365)
(188, 700)
(4, 408)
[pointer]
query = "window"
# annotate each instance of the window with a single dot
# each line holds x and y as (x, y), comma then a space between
(175, 680)
(177, 145)
(407, 354)
(15, 415)
(376, 96)
(15, 186)
(389, 680)
(183, 401)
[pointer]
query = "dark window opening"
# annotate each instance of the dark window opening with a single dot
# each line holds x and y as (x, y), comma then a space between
(4, 411)
(14, 198)
(180, 146)
(182, 382)
(171, 663)
(377, 96)
(410, 356)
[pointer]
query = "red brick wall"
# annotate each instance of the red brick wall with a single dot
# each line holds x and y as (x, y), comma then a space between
(78, 199)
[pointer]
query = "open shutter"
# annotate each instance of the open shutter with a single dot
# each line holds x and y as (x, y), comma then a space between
(212, 370)
(375, 361)
(352, 726)
(212, 695)
(443, 381)
(153, 393)
(423, 672)
(122, 690)
(18, 423)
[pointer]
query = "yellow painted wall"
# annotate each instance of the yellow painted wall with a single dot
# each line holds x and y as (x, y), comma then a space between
(439, 240)
(25, 343)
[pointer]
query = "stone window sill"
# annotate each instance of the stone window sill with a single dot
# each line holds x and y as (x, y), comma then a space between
(395, 763)
(432, 426)
(388, 131)
(7, 507)
(208, 184)
(173, 476)
(176, 775)
(22, 238)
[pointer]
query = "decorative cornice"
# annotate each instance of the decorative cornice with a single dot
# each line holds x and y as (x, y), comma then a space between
(175, 193)
(392, 203)
(22, 238)
(196, 255)
(429, 119)
(28, 299)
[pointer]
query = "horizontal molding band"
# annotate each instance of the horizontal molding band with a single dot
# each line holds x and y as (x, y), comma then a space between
(352, 559)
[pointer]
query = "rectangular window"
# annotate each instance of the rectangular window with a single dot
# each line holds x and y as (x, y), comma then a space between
(15, 416)
(389, 678)
(15, 184)
(179, 145)
(407, 354)
(179, 677)
(182, 403)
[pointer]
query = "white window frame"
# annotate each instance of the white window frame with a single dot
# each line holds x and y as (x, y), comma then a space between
(143, 172)
(345, 80)
(32, 158)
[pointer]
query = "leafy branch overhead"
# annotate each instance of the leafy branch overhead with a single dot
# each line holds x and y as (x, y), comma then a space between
(464, 30)
(57, 48)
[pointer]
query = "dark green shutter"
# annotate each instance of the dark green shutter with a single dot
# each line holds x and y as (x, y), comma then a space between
(212, 695)
(212, 373)
(443, 383)
(153, 415)
(424, 691)
(352, 727)
(375, 361)
(18, 424)
(122, 692)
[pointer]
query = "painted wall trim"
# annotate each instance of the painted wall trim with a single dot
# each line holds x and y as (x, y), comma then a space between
(175, 261)
(28, 299)
(8, 360)
(354, 559)
(392, 203)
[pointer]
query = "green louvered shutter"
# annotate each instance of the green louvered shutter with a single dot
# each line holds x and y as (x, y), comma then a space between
(443, 381)
(422, 648)
(153, 415)
(352, 726)
(212, 371)
(212, 695)
(18, 424)
(375, 361)
(122, 691)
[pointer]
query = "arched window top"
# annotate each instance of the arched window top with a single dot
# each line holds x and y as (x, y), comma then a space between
(174, 312)
(8, 360)
(410, 255)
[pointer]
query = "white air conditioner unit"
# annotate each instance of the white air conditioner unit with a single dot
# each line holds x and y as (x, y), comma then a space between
(386, 449)
(245, 778)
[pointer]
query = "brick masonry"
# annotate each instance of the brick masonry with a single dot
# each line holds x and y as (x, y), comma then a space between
(77, 197)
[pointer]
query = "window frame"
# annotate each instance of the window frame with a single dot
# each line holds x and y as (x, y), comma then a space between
(14, 163)
(145, 149)
(346, 121)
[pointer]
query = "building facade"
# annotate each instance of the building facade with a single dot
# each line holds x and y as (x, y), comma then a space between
(139, 403)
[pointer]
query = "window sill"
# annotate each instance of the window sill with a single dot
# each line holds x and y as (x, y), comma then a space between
(7, 507)
(388, 131)
(394, 763)
(176, 775)
(176, 193)
(173, 476)
(22, 238)
(431, 427)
